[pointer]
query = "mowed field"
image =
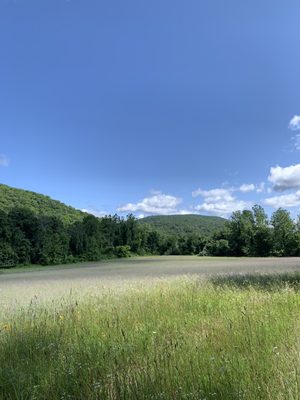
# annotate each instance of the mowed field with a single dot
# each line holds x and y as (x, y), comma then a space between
(22, 285)
(142, 269)
(152, 328)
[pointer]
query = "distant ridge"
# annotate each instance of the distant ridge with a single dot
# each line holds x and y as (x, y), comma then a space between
(38, 203)
(184, 224)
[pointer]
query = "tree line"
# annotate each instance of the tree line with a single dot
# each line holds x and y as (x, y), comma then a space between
(250, 233)
(27, 238)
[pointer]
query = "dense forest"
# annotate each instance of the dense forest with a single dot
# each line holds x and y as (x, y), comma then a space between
(179, 225)
(27, 238)
(35, 229)
(40, 204)
(48, 232)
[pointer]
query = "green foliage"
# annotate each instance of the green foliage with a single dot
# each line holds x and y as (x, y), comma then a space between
(217, 247)
(122, 251)
(182, 225)
(241, 228)
(52, 242)
(8, 256)
(262, 235)
(11, 198)
(250, 233)
(283, 233)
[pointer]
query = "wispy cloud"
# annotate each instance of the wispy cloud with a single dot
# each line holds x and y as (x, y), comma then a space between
(247, 187)
(296, 141)
(222, 193)
(294, 123)
(94, 211)
(216, 194)
(261, 187)
(4, 161)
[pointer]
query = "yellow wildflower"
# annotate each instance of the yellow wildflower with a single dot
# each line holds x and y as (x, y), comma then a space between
(7, 327)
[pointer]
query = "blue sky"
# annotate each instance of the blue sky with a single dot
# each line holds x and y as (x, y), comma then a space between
(154, 107)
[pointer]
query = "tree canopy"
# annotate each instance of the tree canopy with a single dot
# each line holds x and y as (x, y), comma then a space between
(11, 198)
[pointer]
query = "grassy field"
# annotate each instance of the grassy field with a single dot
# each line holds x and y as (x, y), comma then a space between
(224, 336)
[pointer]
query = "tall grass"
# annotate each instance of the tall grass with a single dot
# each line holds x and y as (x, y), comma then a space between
(177, 340)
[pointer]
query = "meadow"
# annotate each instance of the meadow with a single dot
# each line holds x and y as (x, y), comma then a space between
(229, 335)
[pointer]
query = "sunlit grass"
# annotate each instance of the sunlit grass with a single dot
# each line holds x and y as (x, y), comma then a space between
(183, 339)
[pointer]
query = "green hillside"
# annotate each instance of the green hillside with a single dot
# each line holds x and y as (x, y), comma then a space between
(184, 224)
(42, 205)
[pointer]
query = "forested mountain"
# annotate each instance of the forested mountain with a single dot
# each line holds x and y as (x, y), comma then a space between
(182, 225)
(39, 204)
(34, 229)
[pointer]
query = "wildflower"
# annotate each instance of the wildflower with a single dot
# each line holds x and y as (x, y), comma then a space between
(7, 327)
(61, 317)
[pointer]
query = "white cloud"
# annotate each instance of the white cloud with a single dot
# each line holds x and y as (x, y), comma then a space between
(94, 211)
(4, 161)
(296, 141)
(294, 124)
(247, 187)
(285, 178)
(186, 212)
(285, 200)
(220, 201)
(261, 187)
(223, 208)
(226, 193)
(158, 203)
(216, 194)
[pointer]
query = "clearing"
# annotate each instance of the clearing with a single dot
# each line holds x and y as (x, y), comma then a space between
(20, 286)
